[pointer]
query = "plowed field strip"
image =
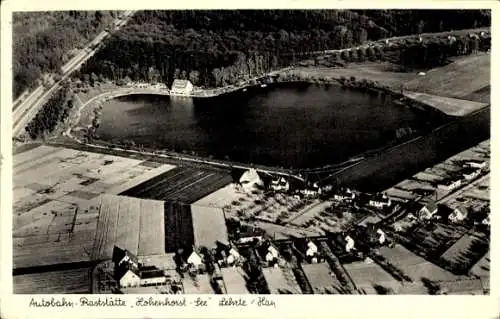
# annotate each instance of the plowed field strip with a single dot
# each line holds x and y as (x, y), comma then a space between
(202, 188)
(155, 182)
(167, 186)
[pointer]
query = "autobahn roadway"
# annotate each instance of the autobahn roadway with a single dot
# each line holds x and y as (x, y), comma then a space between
(24, 111)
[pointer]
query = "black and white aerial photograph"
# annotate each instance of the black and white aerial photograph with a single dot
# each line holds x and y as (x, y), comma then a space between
(332, 151)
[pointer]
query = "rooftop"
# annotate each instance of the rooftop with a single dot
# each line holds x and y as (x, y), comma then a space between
(180, 84)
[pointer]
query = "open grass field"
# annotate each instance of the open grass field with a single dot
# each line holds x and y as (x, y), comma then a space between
(447, 105)
(130, 223)
(457, 79)
(73, 281)
(415, 266)
(384, 73)
(368, 276)
(281, 281)
(184, 184)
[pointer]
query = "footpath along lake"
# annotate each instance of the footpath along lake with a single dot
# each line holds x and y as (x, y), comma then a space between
(290, 125)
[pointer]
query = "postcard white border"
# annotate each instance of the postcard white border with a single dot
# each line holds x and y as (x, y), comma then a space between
(296, 306)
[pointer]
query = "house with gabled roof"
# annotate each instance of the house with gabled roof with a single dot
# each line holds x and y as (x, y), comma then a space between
(458, 214)
(130, 273)
(181, 87)
(428, 210)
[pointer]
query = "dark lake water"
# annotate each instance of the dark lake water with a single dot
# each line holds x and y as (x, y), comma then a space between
(289, 125)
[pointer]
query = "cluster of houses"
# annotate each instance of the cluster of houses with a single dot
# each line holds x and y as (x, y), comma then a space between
(129, 272)
(470, 170)
(458, 214)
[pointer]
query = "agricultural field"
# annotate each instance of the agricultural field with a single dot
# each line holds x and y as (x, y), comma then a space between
(321, 278)
(201, 285)
(431, 242)
(209, 226)
(457, 79)
(309, 213)
(447, 105)
(466, 252)
(56, 200)
(284, 232)
(281, 281)
(73, 281)
(482, 267)
(183, 184)
(178, 223)
(371, 278)
(129, 223)
(415, 266)
(234, 281)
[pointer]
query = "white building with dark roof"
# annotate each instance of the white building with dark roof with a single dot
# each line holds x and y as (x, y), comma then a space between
(130, 273)
(380, 201)
(181, 87)
(460, 213)
(251, 180)
(428, 210)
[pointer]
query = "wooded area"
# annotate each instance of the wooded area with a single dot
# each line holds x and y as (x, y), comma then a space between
(42, 41)
(56, 110)
(215, 48)
(212, 48)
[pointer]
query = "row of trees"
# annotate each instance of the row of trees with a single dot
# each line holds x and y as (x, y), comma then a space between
(437, 53)
(410, 54)
(42, 41)
(56, 110)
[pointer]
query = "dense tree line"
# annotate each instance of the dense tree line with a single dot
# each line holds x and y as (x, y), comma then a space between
(404, 22)
(215, 48)
(56, 110)
(42, 41)
(437, 53)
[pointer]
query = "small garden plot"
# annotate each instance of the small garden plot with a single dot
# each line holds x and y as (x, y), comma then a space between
(83, 194)
(371, 278)
(220, 198)
(482, 267)
(321, 279)
(414, 266)
(468, 250)
(281, 281)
